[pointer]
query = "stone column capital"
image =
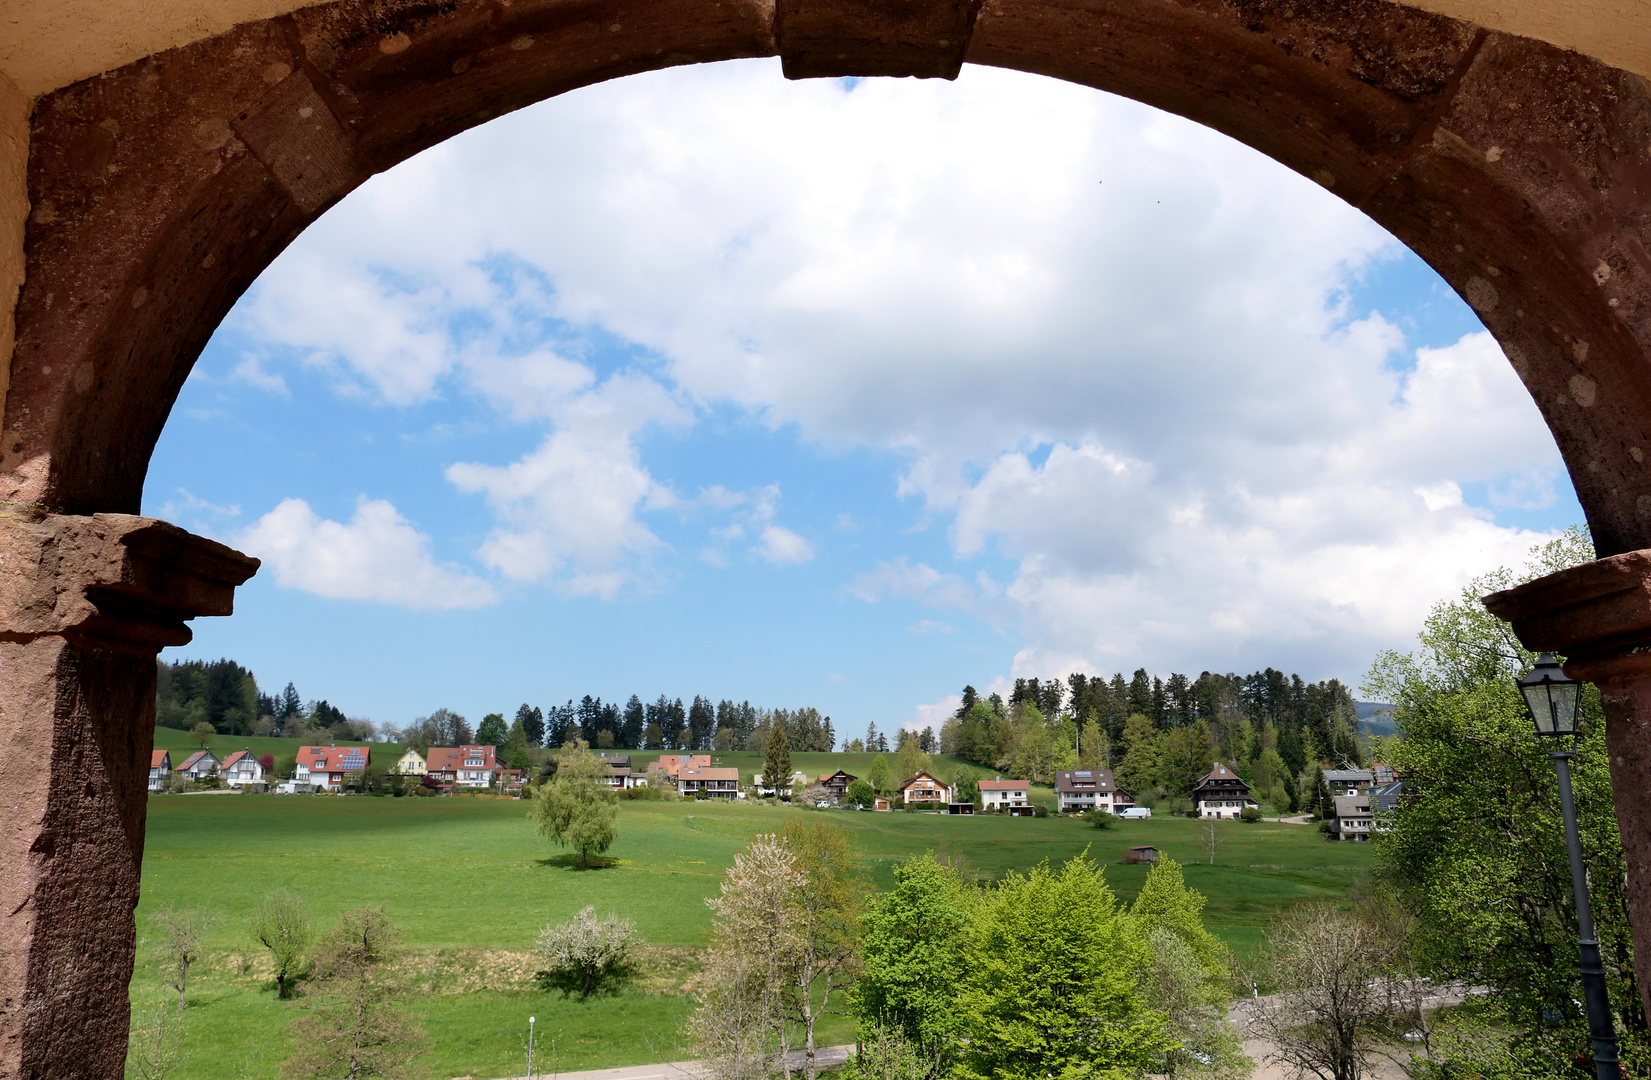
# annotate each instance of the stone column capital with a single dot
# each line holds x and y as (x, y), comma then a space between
(111, 582)
(1597, 615)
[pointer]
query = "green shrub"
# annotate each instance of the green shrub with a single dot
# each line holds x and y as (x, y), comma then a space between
(1250, 813)
(1100, 819)
(1040, 811)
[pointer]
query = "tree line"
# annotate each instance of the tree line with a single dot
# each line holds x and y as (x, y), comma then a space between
(1159, 736)
(227, 696)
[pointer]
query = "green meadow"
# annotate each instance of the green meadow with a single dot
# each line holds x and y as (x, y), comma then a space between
(472, 885)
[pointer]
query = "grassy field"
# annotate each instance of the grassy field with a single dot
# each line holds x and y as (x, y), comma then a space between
(473, 885)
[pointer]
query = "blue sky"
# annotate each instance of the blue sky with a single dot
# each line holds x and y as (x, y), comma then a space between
(841, 394)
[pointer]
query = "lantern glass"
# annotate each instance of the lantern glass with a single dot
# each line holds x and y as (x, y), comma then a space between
(1551, 696)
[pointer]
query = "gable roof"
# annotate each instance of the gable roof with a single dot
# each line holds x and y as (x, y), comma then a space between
(1352, 805)
(443, 758)
(1220, 779)
(847, 777)
(924, 774)
(236, 756)
(160, 759)
(1086, 780)
(1005, 785)
(333, 759)
(1347, 776)
(705, 772)
(190, 761)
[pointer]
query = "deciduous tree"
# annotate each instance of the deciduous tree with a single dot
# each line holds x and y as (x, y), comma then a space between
(282, 925)
(916, 954)
(355, 1030)
(1054, 981)
(585, 950)
(180, 931)
(577, 809)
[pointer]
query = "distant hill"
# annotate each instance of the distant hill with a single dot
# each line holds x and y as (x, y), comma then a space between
(1375, 718)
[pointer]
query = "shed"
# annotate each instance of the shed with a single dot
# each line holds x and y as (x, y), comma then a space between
(960, 808)
(1141, 853)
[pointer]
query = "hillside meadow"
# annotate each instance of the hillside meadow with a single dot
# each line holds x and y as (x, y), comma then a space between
(473, 885)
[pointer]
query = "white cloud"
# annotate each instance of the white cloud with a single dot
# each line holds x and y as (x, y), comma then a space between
(922, 583)
(1143, 403)
(377, 556)
(568, 510)
(936, 713)
(783, 547)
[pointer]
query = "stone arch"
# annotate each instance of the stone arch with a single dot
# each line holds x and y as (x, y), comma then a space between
(1520, 171)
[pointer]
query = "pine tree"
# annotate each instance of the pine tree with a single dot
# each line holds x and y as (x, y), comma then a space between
(634, 724)
(291, 704)
(533, 724)
(776, 762)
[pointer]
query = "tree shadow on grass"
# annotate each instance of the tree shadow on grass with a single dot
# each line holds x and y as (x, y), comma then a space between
(573, 862)
(572, 983)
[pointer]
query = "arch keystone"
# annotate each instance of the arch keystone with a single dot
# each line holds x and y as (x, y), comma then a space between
(825, 39)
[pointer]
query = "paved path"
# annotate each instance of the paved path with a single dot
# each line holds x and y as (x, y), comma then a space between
(686, 1070)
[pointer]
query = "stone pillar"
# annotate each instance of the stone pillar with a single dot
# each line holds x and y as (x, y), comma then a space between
(1598, 616)
(86, 604)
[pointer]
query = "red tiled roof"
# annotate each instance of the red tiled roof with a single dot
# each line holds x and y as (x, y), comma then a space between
(159, 759)
(189, 762)
(233, 758)
(1005, 785)
(331, 759)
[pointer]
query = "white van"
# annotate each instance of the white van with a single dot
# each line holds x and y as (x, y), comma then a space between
(1136, 812)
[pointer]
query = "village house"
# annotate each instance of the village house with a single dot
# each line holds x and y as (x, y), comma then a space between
(1079, 790)
(670, 763)
(798, 779)
(512, 781)
(411, 763)
(1000, 794)
(837, 784)
(1353, 820)
(715, 783)
(1348, 781)
(160, 769)
(462, 766)
(326, 768)
(926, 791)
(200, 764)
(619, 774)
(1221, 793)
(241, 770)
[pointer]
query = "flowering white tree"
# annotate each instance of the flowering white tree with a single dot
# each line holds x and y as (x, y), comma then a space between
(586, 949)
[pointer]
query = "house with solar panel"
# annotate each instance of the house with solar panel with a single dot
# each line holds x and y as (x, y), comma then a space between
(327, 768)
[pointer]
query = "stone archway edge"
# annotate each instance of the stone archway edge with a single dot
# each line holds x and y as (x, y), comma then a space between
(86, 604)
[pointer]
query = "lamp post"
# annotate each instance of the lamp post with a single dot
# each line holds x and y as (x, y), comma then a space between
(530, 1021)
(1553, 700)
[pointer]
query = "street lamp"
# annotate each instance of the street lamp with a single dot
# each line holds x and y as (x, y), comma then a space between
(1553, 699)
(530, 1021)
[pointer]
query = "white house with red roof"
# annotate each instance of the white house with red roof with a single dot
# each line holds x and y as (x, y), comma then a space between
(327, 768)
(1222, 793)
(197, 765)
(160, 769)
(1000, 794)
(240, 769)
